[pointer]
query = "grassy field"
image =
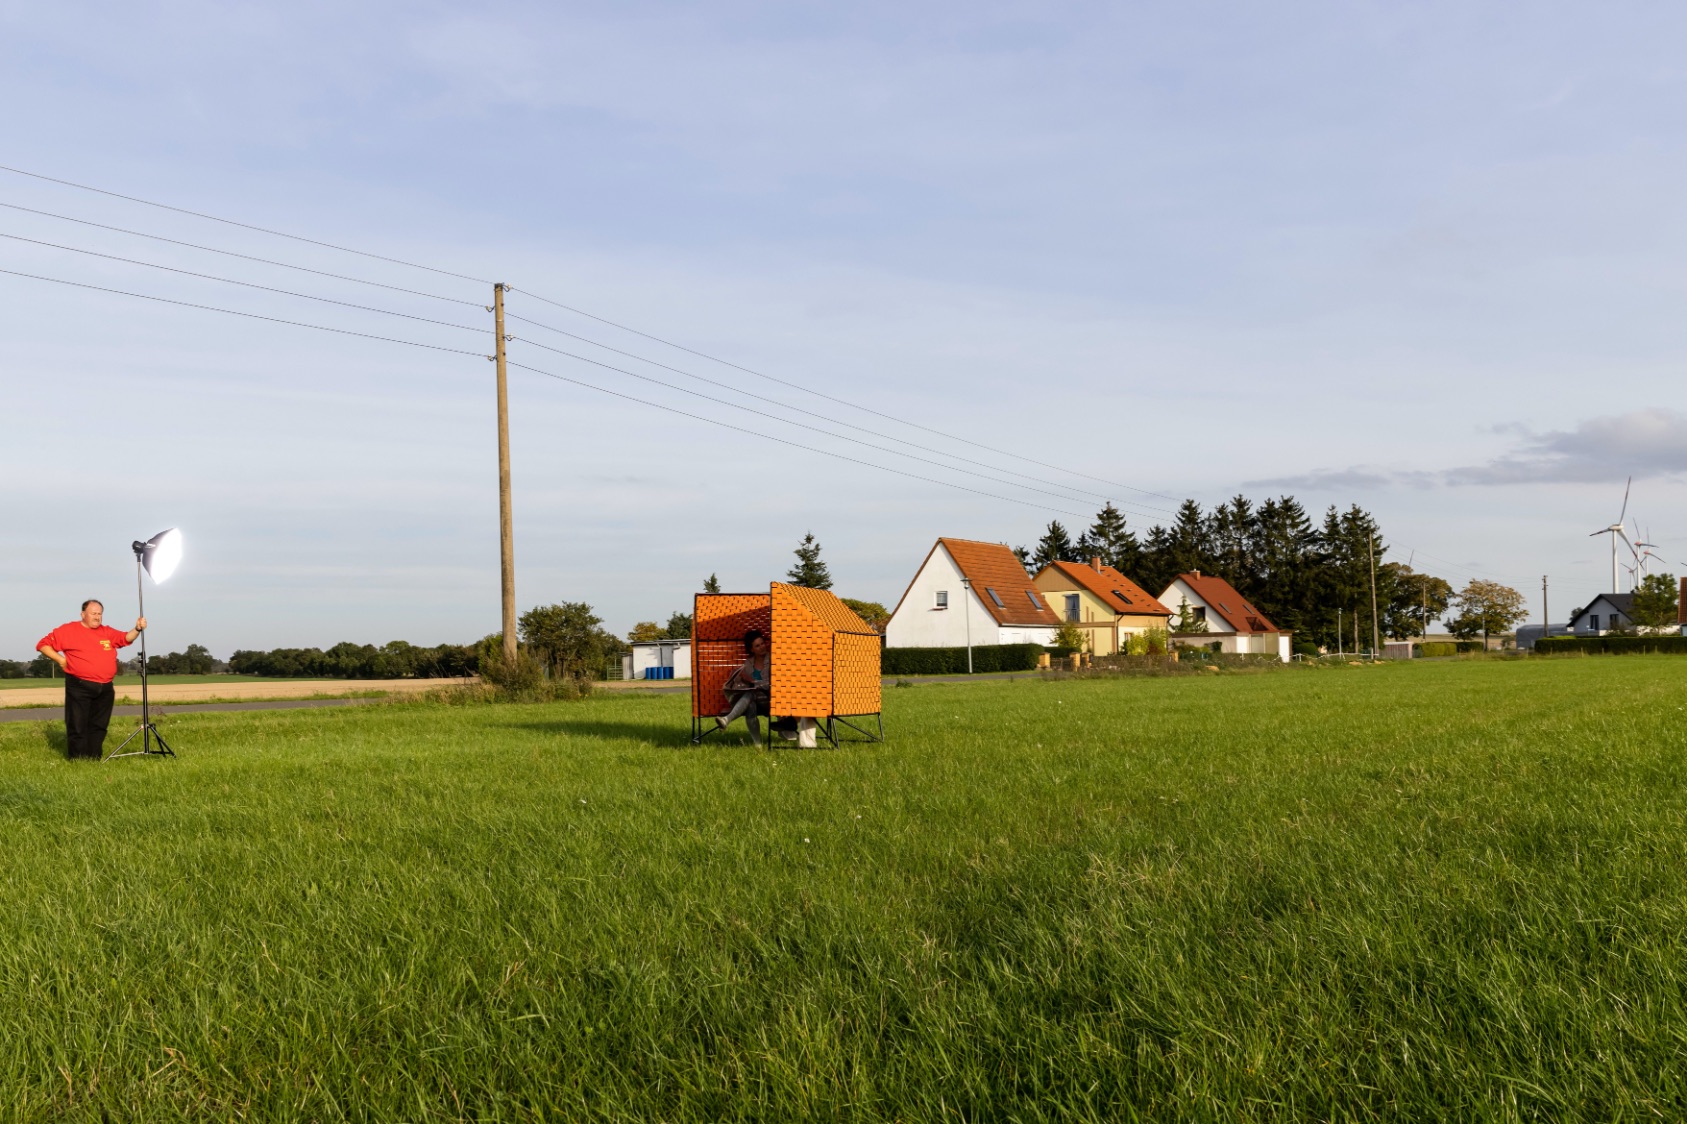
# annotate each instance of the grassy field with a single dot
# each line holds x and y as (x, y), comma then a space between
(1454, 890)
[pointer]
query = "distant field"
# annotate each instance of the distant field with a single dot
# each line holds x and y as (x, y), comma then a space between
(135, 680)
(1437, 891)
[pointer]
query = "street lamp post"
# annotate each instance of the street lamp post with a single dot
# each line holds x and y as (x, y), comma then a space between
(966, 608)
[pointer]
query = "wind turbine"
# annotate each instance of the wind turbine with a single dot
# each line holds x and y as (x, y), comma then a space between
(1646, 552)
(1616, 531)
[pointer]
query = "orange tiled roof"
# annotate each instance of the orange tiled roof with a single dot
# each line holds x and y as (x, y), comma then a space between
(992, 566)
(1222, 597)
(1118, 592)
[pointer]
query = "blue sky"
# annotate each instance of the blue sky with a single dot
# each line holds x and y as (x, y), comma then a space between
(1424, 258)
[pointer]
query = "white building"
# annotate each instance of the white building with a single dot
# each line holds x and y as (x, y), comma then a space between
(968, 591)
(1231, 621)
(671, 658)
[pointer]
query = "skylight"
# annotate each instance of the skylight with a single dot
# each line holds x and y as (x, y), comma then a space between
(994, 596)
(1123, 598)
(1032, 594)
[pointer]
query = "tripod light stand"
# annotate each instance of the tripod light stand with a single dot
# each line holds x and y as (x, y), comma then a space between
(158, 556)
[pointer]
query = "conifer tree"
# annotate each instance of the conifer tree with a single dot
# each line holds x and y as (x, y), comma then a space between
(810, 570)
(711, 584)
(1054, 546)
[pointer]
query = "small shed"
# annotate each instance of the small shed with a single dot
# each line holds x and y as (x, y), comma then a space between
(657, 659)
(823, 659)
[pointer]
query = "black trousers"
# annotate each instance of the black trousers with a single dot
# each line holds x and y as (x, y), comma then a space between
(87, 712)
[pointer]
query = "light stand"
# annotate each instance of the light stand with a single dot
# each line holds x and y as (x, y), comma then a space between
(158, 555)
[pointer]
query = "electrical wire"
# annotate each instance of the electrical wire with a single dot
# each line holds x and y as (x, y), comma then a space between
(243, 284)
(760, 436)
(243, 257)
(840, 401)
(775, 418)
(823, 417)
(241, 225)
(235, 312)
(577, 311)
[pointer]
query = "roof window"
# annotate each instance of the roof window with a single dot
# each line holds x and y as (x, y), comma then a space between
(996, 597)
(1123, 598)
(1032, 594)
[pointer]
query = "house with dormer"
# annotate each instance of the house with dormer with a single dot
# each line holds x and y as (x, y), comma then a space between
(1230, 620)
(968, 592)
(1106, 605)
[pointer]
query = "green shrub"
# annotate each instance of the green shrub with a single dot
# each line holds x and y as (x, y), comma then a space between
(1449, 647)
(953, 661)
(1611, 645)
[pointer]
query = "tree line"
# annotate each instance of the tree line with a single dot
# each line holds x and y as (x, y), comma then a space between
(1309, 578)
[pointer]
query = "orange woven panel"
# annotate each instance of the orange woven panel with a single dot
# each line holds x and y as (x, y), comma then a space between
(719, 621)
(855, 674)
(802, 659)
(728, 616)
(827, 609)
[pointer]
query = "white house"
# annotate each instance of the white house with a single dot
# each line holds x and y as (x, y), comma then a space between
(970, 592)
(1602, 614)
(1232, 622)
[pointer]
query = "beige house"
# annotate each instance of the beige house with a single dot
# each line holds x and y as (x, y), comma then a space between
(1108, 606)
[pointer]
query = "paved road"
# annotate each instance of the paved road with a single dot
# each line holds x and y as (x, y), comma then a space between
(56, 713)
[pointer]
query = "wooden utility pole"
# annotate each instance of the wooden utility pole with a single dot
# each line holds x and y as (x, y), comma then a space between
(1546, 613)
(506, 519)
(1376, 629)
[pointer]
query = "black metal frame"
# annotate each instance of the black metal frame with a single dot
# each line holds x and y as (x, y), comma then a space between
(147, 731)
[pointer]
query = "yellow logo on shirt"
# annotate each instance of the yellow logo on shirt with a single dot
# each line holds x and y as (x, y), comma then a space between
(106, 644)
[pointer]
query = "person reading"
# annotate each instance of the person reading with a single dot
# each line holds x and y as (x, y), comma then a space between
(749, 686)
(86, 651)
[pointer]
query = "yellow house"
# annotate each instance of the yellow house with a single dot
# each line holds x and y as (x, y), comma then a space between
(1108, 606)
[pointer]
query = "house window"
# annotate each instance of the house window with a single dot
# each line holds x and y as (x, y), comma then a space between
(942, 599)
(994, 596)
(1200, 612)
(1593, 622)
(1072, 606)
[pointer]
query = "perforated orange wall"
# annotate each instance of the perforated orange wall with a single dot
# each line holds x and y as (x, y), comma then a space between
(718, 624)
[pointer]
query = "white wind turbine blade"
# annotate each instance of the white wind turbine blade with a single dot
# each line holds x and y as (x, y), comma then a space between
(1626, 488)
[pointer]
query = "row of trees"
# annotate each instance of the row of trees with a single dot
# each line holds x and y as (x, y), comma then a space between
(397, 660)
(1310, 578)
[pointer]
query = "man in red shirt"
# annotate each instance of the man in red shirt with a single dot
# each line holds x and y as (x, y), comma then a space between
(87, 651)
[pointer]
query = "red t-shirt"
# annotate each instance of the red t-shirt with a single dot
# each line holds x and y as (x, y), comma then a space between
(91, 653)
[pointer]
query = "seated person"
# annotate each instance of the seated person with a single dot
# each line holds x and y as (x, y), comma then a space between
(748, 685)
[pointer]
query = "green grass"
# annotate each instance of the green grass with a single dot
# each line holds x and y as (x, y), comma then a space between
(156, 680)
(1448, 891)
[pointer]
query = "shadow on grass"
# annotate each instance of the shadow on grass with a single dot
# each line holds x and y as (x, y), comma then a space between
(651, 733)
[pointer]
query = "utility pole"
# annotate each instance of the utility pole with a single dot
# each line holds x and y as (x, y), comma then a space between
(1376, 628)
(1339, 652)
(506, 519)
(1546, 614)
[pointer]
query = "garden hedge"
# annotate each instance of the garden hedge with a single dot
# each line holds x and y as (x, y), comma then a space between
(1611, 645)
(953, 661)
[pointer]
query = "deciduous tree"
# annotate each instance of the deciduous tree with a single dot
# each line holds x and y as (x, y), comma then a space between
(1486, 607)
(1655, 603)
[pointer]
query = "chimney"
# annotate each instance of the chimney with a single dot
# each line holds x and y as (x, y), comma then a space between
(1095, 563)
(1197, 574)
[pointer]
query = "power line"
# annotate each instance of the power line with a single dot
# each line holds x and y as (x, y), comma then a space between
(550, 374)
(760, 436)
(772, 417)
(234, 312)
(244, 284)
(813, 414)
(579, 312)
(243, 257)
(840, 401)
(241, 225)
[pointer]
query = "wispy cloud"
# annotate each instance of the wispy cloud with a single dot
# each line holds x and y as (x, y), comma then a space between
(1645, 443)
